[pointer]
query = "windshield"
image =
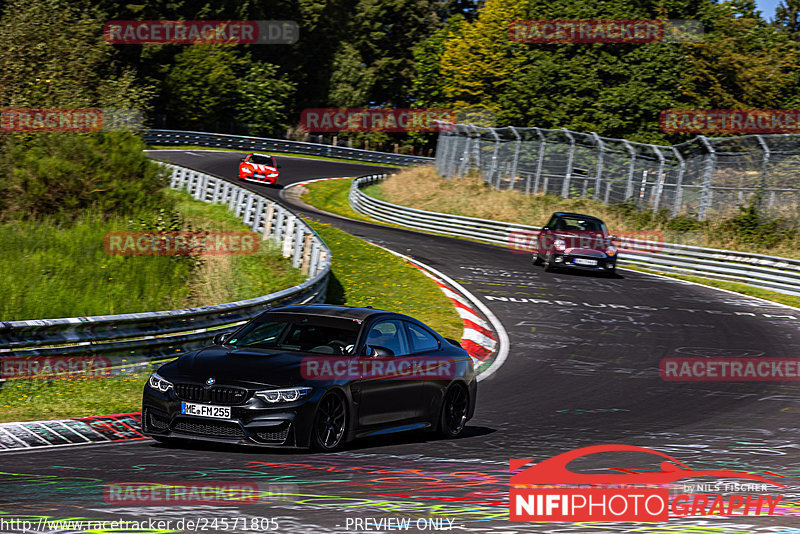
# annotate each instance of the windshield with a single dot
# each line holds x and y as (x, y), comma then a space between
(262, 160)
(299, 333)
(587, 225)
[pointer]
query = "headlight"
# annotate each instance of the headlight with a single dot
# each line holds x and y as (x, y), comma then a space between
(158, 383)
(246, 170)
(559, 244)
(273, 174)
(274, 396)
(611, 250)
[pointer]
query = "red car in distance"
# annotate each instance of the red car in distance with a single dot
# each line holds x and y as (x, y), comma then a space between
(260, 168)
(576, 241)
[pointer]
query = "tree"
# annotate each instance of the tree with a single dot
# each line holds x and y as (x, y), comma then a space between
(787, 18)
(263, 99)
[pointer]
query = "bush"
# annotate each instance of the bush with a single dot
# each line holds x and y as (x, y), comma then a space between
(750, 227)
(62, 175)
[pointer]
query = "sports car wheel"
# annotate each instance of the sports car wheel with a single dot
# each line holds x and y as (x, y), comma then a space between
(454, 411)
(330, 423)
(536, 260)
(548, 263)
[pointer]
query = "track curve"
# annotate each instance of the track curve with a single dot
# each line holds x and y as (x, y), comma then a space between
(582, 370)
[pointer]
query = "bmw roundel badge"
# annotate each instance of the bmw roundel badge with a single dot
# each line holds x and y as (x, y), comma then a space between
(210, 381)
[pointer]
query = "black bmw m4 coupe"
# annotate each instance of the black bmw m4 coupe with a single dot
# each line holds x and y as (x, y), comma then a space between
(313, 376)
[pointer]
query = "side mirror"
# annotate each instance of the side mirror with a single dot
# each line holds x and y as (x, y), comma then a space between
(220, 339)
(376, 351)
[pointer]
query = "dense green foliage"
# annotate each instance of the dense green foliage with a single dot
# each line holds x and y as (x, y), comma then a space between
(401, 53)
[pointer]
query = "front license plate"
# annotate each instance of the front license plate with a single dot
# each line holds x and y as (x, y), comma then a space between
(206, 410)
(582, 261)
(258, 176)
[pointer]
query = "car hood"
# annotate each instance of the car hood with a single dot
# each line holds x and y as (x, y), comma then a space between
(259, 167)
(249, 368)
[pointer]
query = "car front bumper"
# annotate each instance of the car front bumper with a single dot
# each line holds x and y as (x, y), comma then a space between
(585, 262)
(251, 423)
(271, 180)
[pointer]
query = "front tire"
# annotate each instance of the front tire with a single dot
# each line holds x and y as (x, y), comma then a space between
(453, 417)
(548, 263)
(536, 260)
(330, 423)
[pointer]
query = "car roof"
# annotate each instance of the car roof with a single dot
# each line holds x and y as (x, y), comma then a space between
(581, 215)
(260, 154)
(329, 310)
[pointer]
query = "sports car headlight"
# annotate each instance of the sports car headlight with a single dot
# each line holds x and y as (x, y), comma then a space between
(247, 170)
(158, 383)
(559, 244)
(273, 174)
(611, 250)
(274, 396)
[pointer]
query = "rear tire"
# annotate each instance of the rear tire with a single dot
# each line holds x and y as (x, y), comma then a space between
(453, 417)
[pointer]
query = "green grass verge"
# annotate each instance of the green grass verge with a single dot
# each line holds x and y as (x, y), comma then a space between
(31, 400)
(765, 294)
(332, 196)
(54, 270)
(366, 275)
(306, 156)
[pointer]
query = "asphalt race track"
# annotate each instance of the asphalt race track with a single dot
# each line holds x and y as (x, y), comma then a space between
(582, 370)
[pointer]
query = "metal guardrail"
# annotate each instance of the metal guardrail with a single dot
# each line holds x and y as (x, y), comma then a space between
(239, 142)
(757, 270)
(151, 335)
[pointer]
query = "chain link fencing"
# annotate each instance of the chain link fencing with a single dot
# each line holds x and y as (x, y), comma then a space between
(702, 177)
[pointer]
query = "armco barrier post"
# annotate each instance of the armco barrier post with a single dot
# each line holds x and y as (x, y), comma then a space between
(515, 161)
(708, 173)
(568, 175)
(631, 169)
(598, 173)
(676, 205)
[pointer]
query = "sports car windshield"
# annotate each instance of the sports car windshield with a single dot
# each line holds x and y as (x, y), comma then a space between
(262, 160)
(581, 224)
(295, 333)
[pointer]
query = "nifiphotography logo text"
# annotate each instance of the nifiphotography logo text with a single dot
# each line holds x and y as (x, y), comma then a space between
(548, 491)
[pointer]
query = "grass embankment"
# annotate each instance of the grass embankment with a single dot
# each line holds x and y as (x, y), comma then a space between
(420, 188)
(54, 269)
(362, 275)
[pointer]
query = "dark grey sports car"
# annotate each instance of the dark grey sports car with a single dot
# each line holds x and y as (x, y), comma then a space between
(313, 376)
